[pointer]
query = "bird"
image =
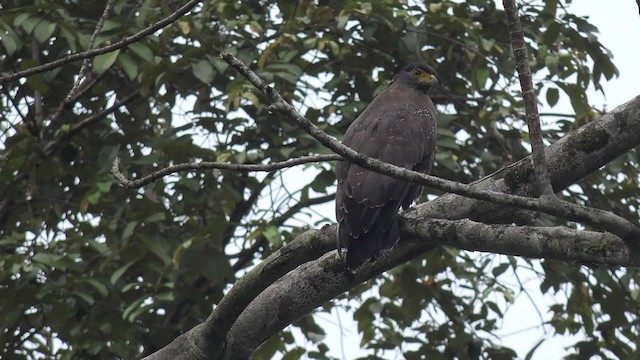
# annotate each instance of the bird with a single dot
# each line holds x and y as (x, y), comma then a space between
(397, 127)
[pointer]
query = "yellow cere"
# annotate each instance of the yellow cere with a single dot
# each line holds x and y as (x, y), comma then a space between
(422, 76)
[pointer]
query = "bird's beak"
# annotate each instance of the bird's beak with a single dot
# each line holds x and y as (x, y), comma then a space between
(428, 79)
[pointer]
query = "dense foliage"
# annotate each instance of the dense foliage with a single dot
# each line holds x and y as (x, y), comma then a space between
(91, 270)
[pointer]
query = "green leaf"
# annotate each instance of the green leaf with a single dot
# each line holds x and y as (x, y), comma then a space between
(100, 287)
(498, 270)
(134, 309)
(272, 234)
(121, 270)
(94, 197)
(159, 216)
(20, 19)
(481, 76)
(70, 37)
(44, 30)
(102, 63)
(535, 347)
(86, 297)
(9, 43)
(51, 260)
(30, 24)
(128, 230)
(553, 95)
(551, 62)
(179, 253)
(203, 71)
(142, 50)
(128, 65)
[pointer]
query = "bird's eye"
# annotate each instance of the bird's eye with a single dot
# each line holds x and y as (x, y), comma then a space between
(416, 73)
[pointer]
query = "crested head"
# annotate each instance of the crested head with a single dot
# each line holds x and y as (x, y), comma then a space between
(418, 75)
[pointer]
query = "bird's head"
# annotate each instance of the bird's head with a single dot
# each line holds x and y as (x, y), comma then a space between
(419, 76)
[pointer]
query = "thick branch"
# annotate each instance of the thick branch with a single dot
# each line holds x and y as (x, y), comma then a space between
(106, 49)
(207, 165)
(529, 97)
(595, 217)
(570, 159)
(314, 283)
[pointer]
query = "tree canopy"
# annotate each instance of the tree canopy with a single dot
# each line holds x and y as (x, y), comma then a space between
(93, 269)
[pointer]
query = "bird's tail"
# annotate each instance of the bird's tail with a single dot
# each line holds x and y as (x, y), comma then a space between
(368, 245)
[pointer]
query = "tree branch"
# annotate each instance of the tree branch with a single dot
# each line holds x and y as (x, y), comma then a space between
(529, 97)
(316, 282)
(571, 158)
(92, 41)
(207, 165)
(595, 217)
(88, 121)
(106, 49)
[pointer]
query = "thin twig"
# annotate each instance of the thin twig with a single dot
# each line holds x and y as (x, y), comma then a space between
(89, 121)
(92, 42)
(100, 115)
(530, 99)
(38, 102)
(106, 49)
(595, 217)
(207, 165)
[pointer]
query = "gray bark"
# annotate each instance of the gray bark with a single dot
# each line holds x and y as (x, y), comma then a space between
(316, 282)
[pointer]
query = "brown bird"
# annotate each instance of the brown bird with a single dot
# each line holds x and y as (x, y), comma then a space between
(398, 127)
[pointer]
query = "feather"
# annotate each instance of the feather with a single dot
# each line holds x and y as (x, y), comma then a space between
(398, 127)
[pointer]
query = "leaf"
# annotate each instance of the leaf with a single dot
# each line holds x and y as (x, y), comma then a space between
(203, 71)
(272, 234)
(498, 270)
(9, 43)
(51, 260)
(184, 27)
(100, 287)
(179, 253)
(29, 24)
(94, 197)
(128, 230)
(131, 312)
(103, 62)
(551, 62)
(481, 76)
(553, 95)
(128, 65)
(294, 354)
(44, 30)
(71, 38)
(86, 297)
(118, 273)
(529, 355)
(142, 50)
(20, 19)
(155, 217)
